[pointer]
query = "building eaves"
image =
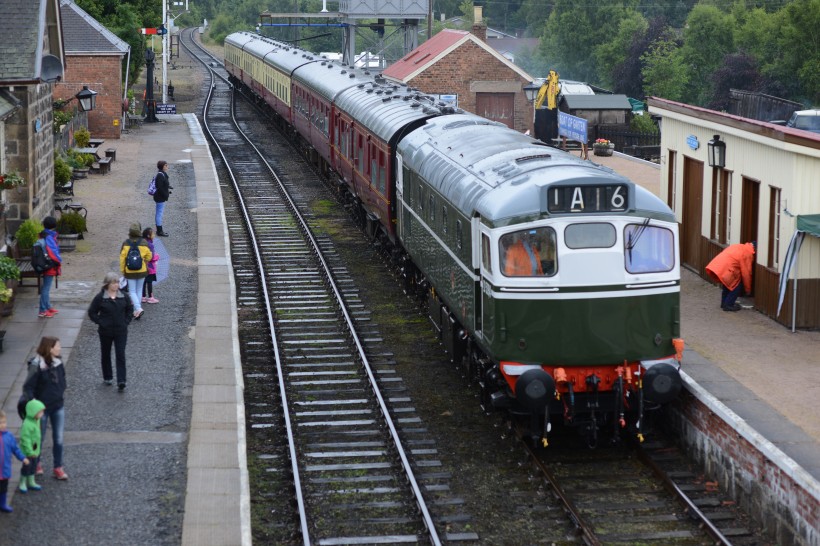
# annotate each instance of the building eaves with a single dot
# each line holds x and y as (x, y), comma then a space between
(22, 26)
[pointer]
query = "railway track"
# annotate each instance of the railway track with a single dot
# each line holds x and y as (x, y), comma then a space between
(647, 494)
(337, 453)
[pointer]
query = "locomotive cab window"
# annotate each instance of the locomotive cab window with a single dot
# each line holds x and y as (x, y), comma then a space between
(486, 253)
(528, 253)
(590, 236)
(648, 249)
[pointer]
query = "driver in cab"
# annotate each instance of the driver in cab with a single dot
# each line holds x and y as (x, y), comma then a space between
(522, 259)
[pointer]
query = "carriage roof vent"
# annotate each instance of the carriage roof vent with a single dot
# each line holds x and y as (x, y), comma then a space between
(369, 91)
(386, 99)
(344, 71)
(360, 86)
(415, 105)
(533, 158)
(352, 75)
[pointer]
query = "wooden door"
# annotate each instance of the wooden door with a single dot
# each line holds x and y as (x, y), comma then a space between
(692, 213)
(749, 216)
(497, 107)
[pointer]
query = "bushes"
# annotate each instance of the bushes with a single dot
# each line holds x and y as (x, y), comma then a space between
(8, 269)
(28, 233)
(62, 172)
(82, 137)
(71, 223)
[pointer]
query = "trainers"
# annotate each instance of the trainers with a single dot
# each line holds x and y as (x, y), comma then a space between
(59, 473)
(108, 382)
(144, 299)
(53, 311)
(152, 299)
(121, 387)
(44, 314)
(39, 471)
(139, 314)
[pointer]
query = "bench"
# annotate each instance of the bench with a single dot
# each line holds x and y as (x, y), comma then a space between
(134, 120)
(103, 165)
(112, 153)
(24, 265)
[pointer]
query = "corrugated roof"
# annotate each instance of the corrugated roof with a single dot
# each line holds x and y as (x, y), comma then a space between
(21, 39)
(597, 102)
(85, 35)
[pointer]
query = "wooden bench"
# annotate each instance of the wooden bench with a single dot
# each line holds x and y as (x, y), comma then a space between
(112, 153)
(24, 265)
(134, 120)
(103, 165)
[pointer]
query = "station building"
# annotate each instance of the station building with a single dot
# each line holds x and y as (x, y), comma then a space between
(731, 180)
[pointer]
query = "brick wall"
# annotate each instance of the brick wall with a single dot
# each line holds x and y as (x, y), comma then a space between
(103, 74)
(470, 63)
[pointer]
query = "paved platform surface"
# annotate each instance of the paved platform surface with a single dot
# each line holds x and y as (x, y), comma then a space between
(170, 467)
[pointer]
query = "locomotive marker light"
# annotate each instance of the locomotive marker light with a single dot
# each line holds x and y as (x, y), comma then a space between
(716, 152)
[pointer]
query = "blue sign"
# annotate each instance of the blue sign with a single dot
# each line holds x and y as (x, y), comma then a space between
(692, 142)
(572, 127)
(166, 108)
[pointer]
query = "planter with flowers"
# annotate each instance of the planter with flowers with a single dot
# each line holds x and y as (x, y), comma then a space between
(602, 147)
(11, 180)
(9, 281)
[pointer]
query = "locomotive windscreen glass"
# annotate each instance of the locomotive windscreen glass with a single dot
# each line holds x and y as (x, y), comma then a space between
(590, 235)
(648, 249)
(528, 253)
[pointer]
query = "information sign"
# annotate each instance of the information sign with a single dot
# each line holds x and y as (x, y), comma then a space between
(572, 127)
(166, 108)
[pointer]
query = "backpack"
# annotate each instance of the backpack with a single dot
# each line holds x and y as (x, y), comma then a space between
(40, 260)
(133, 260)
(152, 186)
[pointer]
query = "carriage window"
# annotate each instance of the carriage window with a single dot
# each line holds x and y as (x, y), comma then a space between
(590, 236)
(421, 197)
(485, 253)
(528, 253)
(648, 249)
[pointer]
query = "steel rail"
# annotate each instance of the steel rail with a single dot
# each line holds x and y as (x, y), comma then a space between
(300, 501)
(326, 270)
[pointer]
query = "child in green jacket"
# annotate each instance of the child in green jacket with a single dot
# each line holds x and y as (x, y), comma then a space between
(30, 444)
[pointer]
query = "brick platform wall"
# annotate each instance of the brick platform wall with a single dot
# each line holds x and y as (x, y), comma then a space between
(103, 74)
(752, 472)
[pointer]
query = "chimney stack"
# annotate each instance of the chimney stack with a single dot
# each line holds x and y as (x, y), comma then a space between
(479, 29)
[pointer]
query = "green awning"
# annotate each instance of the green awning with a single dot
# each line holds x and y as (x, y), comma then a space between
(810, 223)
(637, 105)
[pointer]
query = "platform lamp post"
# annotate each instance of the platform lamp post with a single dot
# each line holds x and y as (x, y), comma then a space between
(150, 103)
(716, 152)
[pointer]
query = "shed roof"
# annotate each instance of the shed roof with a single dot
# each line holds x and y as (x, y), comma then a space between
(84, 35)
(23, 27)
(437, 48)
(597, 102)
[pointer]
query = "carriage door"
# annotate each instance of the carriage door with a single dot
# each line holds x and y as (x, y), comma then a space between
(692, 213)
(485, 304)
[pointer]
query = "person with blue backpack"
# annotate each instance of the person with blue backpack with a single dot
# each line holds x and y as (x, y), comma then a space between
(134, 257)
(48, 241)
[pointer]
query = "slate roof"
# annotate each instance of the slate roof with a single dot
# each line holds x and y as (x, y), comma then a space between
(84, 35)
(22, 27)
(597, 102)
(435, 49)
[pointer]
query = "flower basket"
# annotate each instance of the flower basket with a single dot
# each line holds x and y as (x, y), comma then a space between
(602, 148)
(11, 180)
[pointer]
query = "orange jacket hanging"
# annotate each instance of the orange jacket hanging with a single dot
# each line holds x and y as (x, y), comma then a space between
(733, 265)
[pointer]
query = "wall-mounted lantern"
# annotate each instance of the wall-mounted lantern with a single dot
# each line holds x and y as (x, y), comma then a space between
(87, 99)
(531, 91)
(716, 152)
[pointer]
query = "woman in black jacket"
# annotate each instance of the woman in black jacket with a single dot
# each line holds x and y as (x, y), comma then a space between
(161, 195)
(112, 311)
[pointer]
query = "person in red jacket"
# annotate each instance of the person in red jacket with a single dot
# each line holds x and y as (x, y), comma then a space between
(733, 269)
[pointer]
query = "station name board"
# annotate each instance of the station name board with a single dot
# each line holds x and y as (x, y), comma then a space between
(588, 198)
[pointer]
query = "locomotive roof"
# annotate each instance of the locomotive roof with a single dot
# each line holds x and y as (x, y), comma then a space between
(385, 108)
(484, 167)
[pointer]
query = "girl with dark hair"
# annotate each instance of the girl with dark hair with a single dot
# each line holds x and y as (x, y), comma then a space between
(46, 383)
(161, 196)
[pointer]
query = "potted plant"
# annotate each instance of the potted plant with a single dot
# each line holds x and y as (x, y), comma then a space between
(9, 280)
(11, 180)
(27, 234)
(70, 227)
(62, 173)
(602, 147)
(82, 137)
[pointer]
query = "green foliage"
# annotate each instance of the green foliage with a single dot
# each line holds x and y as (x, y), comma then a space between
(664, 71)
(82, 137)
(224, 25)
(5, 293)
(70, 222)
(61, 118)
(62, 171)
(8, 269)
(643, 124)
(28, 233)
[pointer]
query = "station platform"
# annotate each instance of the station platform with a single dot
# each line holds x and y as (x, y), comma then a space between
(169, 452)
